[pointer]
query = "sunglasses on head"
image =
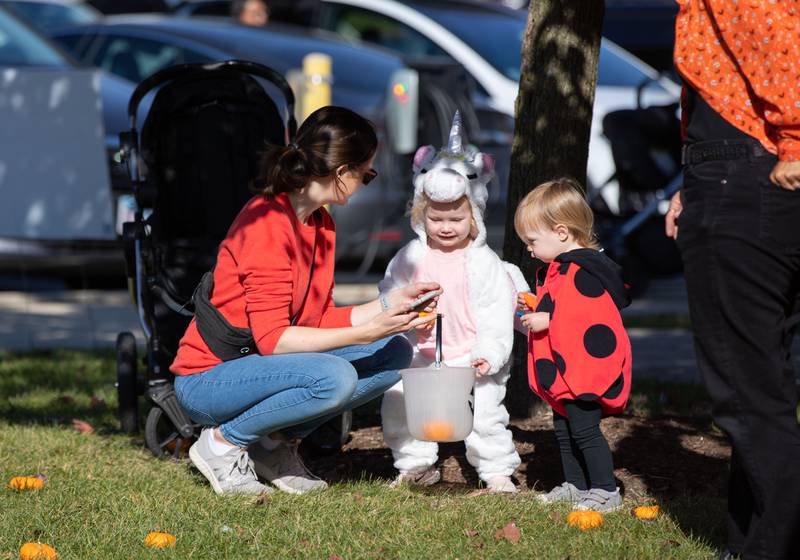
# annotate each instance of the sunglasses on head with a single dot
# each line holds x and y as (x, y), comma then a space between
(368, 176)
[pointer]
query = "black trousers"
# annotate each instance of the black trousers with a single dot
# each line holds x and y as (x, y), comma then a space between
(739, 237)
(585, 455)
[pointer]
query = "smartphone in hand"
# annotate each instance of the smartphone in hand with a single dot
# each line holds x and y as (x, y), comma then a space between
(420, 303)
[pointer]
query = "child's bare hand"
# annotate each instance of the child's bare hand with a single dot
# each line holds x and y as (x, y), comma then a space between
(536, 322)
(482, 366)
(521, 305)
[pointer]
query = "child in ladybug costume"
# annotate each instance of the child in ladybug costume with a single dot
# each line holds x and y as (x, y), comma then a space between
(579, 355)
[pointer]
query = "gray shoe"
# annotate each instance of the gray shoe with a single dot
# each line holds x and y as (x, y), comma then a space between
(428, 477)
(600, 500)
(566, 493)
(231, 473)
(284, 468)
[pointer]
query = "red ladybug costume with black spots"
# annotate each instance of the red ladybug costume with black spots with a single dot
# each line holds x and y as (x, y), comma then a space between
(585, 354)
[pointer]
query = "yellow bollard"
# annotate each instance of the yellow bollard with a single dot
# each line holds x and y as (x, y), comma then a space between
(317, 91)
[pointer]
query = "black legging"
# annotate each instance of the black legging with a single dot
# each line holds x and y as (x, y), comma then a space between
(585, 455)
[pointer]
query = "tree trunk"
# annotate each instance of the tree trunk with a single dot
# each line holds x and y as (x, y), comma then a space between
(551, 139)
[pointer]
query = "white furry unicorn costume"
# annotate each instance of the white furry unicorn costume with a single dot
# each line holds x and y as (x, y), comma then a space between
(491, 286)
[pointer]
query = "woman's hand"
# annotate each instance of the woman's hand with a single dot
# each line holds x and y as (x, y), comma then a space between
(786, 174)
(536, 322)
(482, 366)
(407, 294)
(394, 320)
(671, 219)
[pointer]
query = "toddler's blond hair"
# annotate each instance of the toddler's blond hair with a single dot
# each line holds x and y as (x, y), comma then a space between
(560, 201)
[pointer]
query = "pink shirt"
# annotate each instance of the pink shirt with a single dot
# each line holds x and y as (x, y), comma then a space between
(458, 326)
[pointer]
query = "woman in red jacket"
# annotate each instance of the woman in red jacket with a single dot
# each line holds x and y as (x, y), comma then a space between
(310, 360)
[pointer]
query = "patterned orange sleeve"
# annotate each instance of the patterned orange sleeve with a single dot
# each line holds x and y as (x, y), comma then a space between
(762, 37)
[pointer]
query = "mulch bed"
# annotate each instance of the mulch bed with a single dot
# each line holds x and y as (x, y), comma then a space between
(661, 457)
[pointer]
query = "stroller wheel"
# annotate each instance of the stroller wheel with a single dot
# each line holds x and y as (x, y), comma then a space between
(163, 438)
(127, 390)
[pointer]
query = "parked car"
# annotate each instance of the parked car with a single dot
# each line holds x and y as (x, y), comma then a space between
(486, 39)
(373, 224)
(49, 14)
(22, 47)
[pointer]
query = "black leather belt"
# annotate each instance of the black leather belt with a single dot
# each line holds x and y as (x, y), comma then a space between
(716, 150)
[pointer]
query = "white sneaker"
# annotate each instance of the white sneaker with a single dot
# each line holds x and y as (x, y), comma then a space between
(501, 484)
(231, 473)
(284, 468)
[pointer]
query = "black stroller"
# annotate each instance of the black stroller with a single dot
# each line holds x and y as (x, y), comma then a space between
(191, 171)
(646, 147)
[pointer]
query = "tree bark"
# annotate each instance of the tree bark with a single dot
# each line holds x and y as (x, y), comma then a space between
(560, 53)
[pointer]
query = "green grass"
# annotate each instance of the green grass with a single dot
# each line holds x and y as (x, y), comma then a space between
(106, 492)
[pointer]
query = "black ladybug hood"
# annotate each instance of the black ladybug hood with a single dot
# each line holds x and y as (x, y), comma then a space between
(604, 269)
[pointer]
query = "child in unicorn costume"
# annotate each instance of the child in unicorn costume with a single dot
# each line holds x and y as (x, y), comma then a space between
(477, 303)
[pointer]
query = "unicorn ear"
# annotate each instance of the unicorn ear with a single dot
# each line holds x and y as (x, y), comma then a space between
(423, 156)
(486, 164)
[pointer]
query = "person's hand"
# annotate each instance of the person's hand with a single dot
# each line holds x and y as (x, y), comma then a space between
(536, 322)
(786, 174)
(521, 305)
(394, 320)
(671, 219)
(482, 366)
(407, 294)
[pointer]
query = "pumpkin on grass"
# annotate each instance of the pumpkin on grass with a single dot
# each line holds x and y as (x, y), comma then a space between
(157, 539)
(584, 519)
(37, 551)
(646, 513)
(22, 483)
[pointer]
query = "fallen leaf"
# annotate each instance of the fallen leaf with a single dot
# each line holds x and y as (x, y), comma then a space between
(555, 516)
(510, 532)
(358, 497)
(305, 543)
(671, 544)
(262, 500)
(335, 557)
(478, 544)
(479, 492)
(471, 532)
(82, 427)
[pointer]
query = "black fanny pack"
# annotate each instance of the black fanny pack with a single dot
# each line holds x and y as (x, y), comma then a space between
(223, 339)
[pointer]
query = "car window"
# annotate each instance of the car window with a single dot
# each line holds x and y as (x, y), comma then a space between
(210, 8)
(365, 25)
(19, 46)
(75, 43)
(135, 58)
(46, 16)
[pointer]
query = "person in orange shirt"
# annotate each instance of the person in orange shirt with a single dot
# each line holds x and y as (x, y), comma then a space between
(737, 224)
(268, 357)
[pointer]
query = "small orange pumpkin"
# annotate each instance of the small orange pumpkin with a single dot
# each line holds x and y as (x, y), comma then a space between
(37, 551)
(157, 539)
(647, 513)
(438, 431)
(22, 483)
(584, 519)
(530, 300)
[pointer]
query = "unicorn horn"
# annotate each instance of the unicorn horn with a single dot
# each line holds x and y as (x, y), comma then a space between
(454, 142)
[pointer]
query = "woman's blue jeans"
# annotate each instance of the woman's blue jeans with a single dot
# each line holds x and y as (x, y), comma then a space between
(291, 393)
